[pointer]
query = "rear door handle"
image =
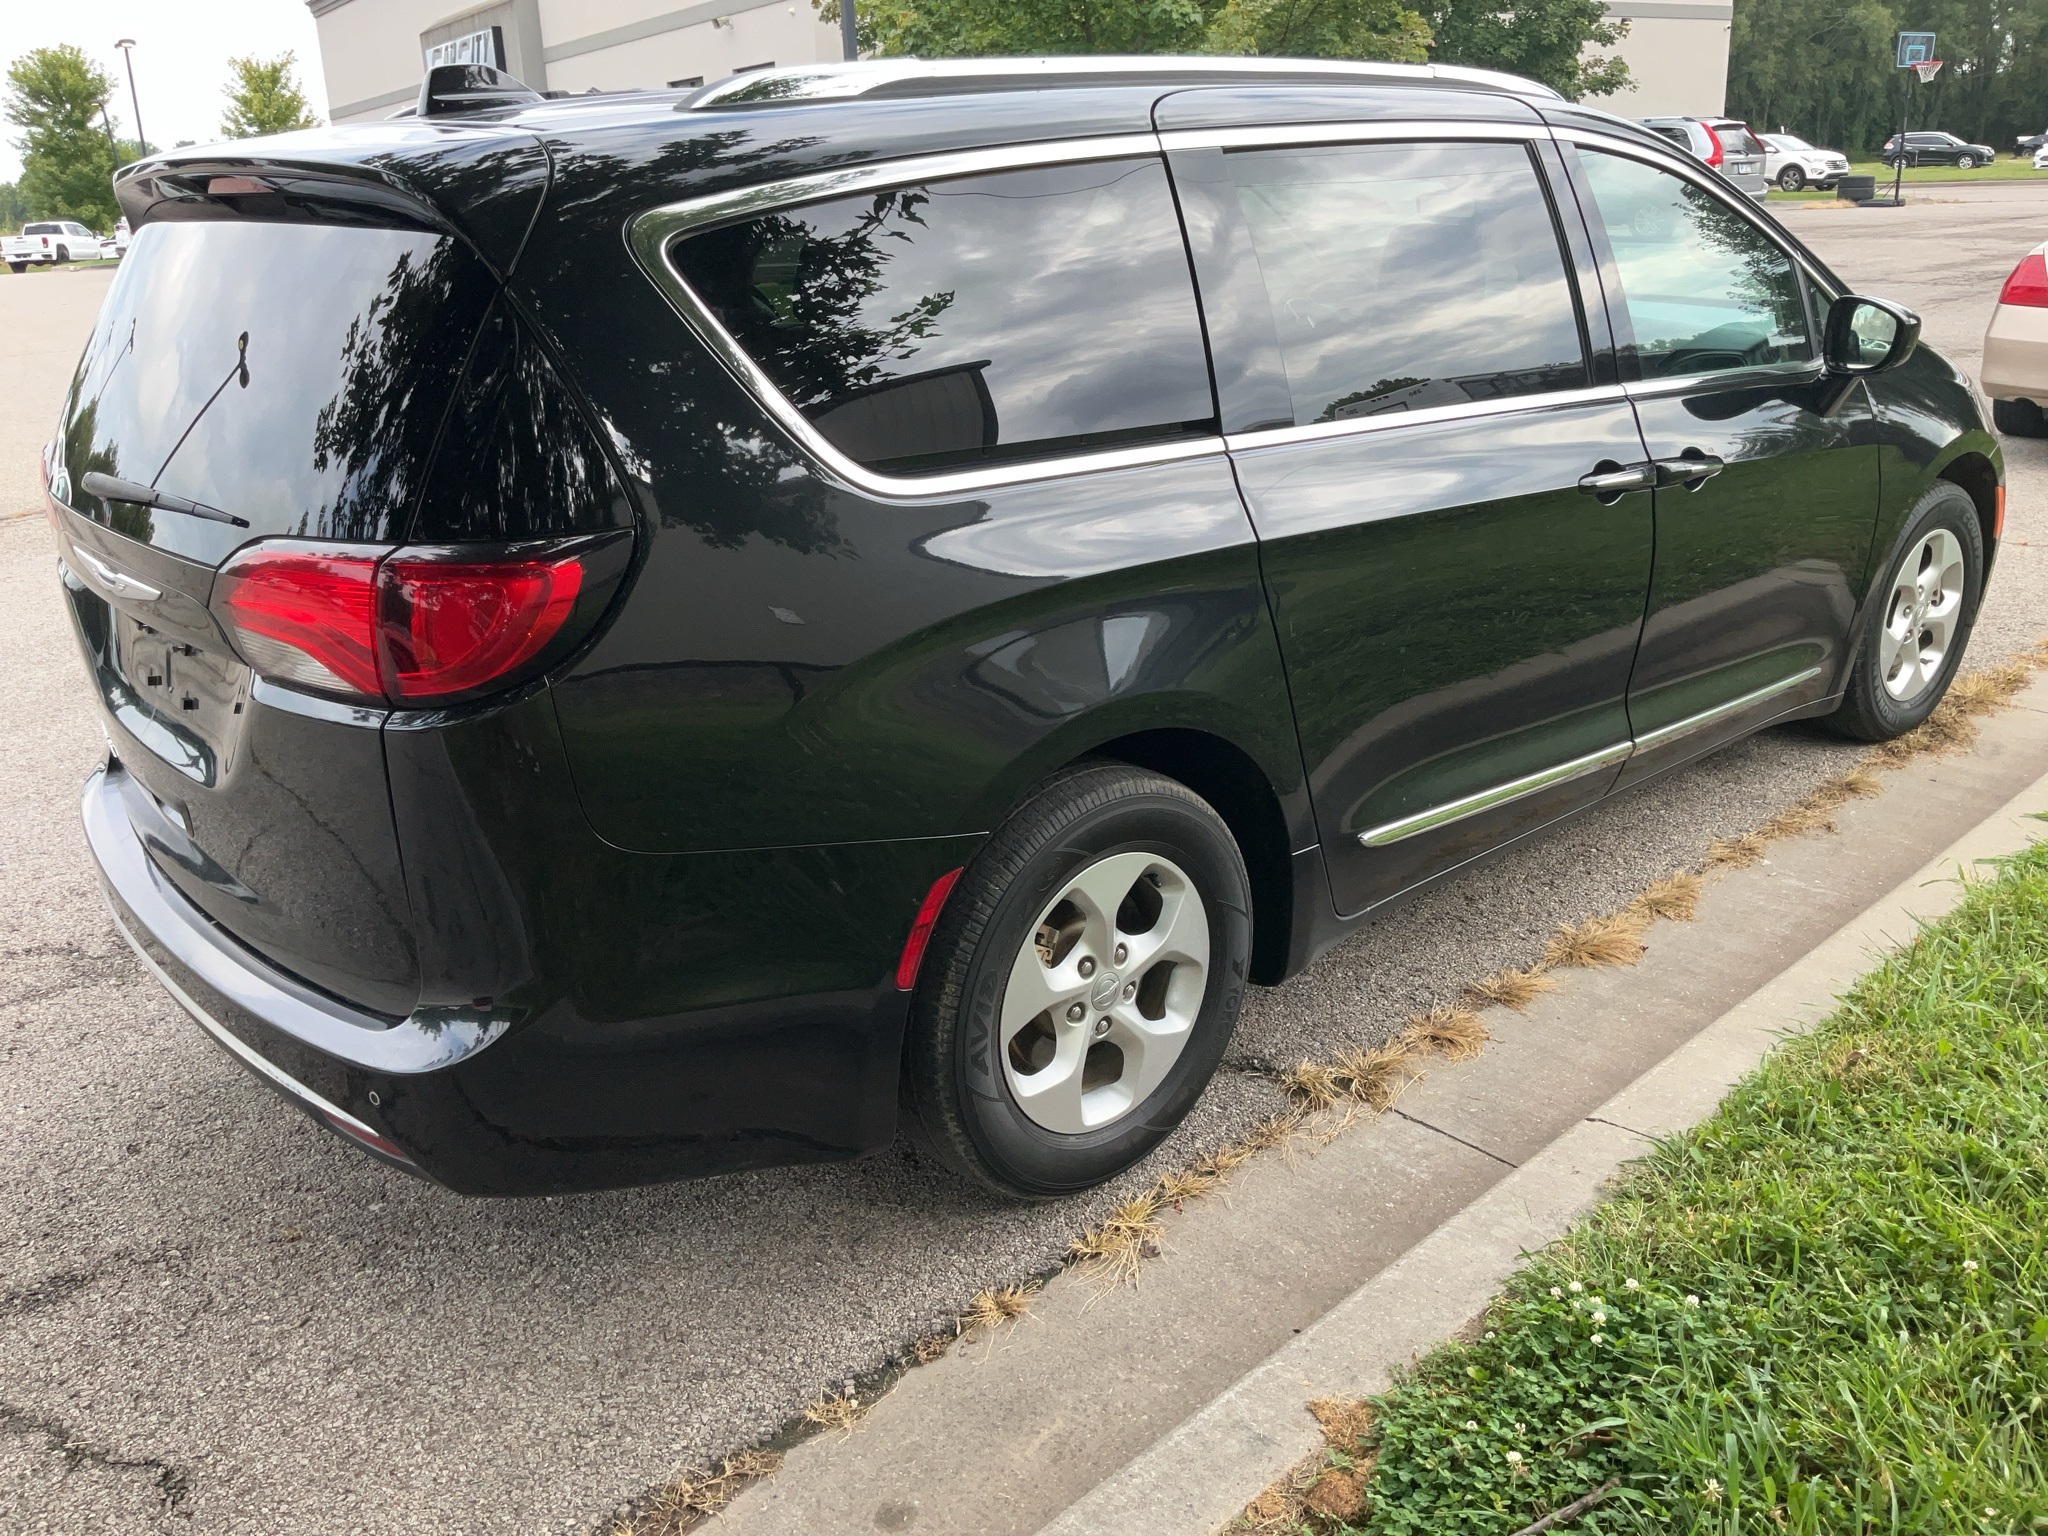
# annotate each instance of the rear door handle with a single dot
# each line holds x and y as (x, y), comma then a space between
(1606, 483)
(1689, 469)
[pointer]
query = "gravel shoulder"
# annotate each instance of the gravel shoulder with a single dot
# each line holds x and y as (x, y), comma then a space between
(215, 1318)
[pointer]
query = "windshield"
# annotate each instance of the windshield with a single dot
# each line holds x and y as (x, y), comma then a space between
(1787, 141)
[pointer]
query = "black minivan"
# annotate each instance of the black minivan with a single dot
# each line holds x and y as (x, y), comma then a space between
(651, 634)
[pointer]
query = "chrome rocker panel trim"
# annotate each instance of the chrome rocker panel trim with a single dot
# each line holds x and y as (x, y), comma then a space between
(1516, 789)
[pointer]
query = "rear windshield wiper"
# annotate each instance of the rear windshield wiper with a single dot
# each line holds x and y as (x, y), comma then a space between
(107, 488)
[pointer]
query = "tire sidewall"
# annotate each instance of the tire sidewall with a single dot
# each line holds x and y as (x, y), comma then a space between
(1020, 1153)
(1944, 506)
(1791, 178)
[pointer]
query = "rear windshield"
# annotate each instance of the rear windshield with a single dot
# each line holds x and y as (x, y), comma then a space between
(290, 374)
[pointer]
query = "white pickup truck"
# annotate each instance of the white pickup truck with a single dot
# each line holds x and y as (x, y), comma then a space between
(49, 241)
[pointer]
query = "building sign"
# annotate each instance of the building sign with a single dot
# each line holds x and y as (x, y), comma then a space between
(484, 47)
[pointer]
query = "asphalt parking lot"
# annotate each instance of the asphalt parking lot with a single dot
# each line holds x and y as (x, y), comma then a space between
(216, 1318)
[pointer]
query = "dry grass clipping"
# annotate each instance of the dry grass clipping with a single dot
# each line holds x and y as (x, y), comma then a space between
(992, 1308)
(1344, 1419)
(929, 1348)
(833, 1411)
(1510, 989)
(1675, 898)
(1377, 1075)
(1113, 1250)
(697, 1495)
(1737, 852)
(1611, 938)
(1452, 1033)
(1189, 1183)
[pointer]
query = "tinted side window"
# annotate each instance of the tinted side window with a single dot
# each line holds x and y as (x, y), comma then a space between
(1706, 290)
(1405, 276)
(972, 321)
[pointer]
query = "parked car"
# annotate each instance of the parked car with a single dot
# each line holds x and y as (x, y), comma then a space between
(2016, 349)
(1725, 143)
(2041, 158)
(52, 240)
(113, 247)
(1938, 149)
(586, 711)
(2027, 144)
(1792, 163)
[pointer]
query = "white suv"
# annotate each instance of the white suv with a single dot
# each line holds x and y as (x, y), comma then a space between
(1793, 163)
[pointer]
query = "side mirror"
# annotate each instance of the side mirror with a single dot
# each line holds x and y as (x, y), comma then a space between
(1867, 335)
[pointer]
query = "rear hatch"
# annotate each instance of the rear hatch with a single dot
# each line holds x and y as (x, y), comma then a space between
(267, 369)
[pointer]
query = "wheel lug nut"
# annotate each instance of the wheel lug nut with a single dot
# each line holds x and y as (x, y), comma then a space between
(1101, 1028)
(1075, 1013)
(1123, 953)
(1087, 966)
(1130, 990)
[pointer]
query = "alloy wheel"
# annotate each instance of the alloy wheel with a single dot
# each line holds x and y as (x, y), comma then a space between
(1104, 991)
(1922, 615)
(1791, 178)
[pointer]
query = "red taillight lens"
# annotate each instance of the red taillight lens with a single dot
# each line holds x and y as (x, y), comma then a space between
(451, 628)
(2028, 284)
(406, 629)
(1714, 147)
(305, 618)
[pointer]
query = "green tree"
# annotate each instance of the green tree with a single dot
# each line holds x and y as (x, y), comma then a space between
(13, 207)
(54, 97)
(1352, 29)
(264, 97)
(1541, 39)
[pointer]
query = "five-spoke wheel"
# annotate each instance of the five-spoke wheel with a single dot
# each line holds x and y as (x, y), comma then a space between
(1925, 609)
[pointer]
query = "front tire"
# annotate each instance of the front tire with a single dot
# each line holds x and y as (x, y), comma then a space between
(1791, 178)
(1966, 162)
(1917, 623)
(1082, 984)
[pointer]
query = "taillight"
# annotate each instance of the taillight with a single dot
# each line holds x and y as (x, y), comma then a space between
(414, 627)
(1713, 147)
(304, 617)
(447, 629)
(2028, 284)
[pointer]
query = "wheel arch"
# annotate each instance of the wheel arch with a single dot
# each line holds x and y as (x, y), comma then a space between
(1978, 476)
(1232, 781)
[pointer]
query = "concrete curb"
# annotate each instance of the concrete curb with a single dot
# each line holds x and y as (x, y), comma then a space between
(1201, 1474)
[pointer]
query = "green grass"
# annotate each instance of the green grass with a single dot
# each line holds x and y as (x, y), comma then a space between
(2006, 168)
(1824, 1310)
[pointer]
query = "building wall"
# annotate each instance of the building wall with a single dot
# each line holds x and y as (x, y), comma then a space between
(1677, 52)
(371, 51)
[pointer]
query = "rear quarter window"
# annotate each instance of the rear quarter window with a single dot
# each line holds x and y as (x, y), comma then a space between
(970, 322)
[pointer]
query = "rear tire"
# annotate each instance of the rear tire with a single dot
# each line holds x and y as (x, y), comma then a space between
(2019, 418)
(1048, 1106)
(17, 266)
(1791, 178)
(63, 254)
(1916, 622)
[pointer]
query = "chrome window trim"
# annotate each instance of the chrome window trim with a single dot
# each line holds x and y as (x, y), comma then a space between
(1409, 130)
(1528, 784)
(1727, 378)
(1318, 431)
(649, 234)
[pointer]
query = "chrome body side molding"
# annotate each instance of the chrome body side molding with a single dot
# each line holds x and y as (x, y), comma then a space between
(1516, 789)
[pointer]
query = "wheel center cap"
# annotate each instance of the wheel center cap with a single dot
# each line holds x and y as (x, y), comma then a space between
(1103, 993)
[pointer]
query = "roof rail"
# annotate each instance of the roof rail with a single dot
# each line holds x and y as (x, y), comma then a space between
(866, 77)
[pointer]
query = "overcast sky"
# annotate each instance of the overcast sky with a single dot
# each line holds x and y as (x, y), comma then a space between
(182, 48)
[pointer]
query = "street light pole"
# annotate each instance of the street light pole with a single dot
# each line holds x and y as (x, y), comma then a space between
(113, 145)
(849, 36)
(141, 141)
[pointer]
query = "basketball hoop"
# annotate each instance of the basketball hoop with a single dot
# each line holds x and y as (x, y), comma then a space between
(1927, 70)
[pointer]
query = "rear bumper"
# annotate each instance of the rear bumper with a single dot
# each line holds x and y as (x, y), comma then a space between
(2016, 354)
(566, 1097)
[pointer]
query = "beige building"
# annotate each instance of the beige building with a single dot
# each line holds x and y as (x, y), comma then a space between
(374, 52)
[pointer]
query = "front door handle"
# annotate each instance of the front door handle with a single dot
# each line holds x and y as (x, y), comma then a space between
(1690, 469)
(1609, 483)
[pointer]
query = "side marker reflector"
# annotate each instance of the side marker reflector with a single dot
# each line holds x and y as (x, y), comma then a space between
(1998, 514)
(921, 931)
